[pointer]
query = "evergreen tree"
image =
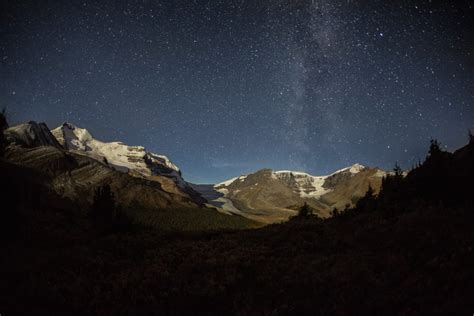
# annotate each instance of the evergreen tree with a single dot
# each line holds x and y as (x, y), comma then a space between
(304, 211)
(3, 127)
(102, 211)
(370, 192)
(392, 185)
(367, 202)
(435, 148)
(106, 215)
(397, 170)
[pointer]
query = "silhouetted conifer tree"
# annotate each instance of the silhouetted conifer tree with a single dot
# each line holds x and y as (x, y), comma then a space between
(435, 148)
(102, 210)
(367, 202)
(3, 127)
(392, 187)
(397, 170)
(370, 192)
(304, 211)
(106, 214)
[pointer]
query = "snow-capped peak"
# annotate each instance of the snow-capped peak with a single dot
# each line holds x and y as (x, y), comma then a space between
(355, 168)
(230, 181)
(133, 159)
(305, 184)
(72, 137)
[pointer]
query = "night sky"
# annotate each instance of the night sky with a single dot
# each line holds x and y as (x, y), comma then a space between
(229, 87)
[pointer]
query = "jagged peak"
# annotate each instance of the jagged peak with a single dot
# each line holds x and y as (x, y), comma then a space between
(230, 181)
(31, 134)
(69, 125)
(117, 153)
(355, 168)
(72, 136)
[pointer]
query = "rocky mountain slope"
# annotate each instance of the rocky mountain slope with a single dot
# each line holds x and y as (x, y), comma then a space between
(31, 134)
(272, 196)
(75, 165)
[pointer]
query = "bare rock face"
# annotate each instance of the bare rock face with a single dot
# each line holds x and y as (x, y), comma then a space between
(273, 196)
(30, 135)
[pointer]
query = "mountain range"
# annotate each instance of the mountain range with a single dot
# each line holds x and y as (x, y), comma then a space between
(78, 163)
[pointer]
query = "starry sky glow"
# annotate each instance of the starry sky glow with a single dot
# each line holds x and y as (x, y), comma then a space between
(227, 87)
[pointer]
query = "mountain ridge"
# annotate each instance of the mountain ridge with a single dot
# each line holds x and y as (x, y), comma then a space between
(133, 159)
(273, 196)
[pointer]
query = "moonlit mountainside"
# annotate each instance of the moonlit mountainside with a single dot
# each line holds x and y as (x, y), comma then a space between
(134, 159)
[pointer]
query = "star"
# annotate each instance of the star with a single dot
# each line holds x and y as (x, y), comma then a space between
(313, 85)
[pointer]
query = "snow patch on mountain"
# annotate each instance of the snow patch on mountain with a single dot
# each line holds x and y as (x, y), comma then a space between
(309, 186)
(380, 173)
(302, 183)
(306, 185)
(132, 159)
(355, 168)
(230, 181)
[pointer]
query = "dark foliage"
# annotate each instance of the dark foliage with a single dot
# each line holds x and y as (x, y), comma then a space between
(304, 211)
(367, 202)
(106, 216)
(443, 179)
(10, 201)
(103, 207)
(3, 127)
(435, 148)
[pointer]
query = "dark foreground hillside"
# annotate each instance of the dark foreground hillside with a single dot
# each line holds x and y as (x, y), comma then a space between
(415, 263)
(409, 251)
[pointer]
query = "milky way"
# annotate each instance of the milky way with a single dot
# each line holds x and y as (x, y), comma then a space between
(228, 87)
